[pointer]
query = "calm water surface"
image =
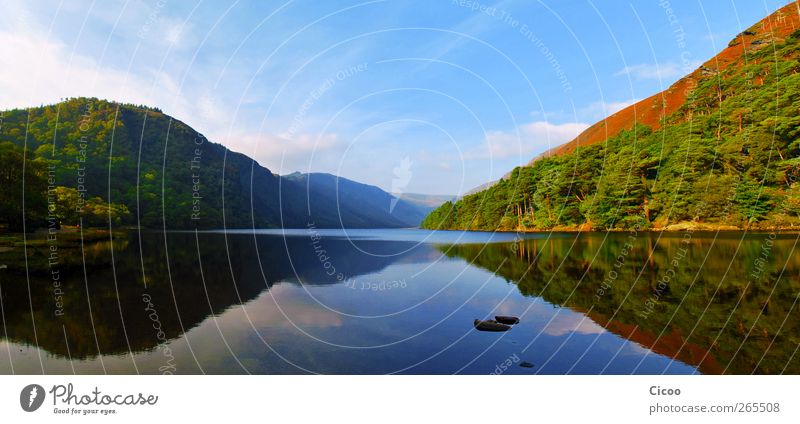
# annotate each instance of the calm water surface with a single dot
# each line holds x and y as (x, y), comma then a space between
(404, 301)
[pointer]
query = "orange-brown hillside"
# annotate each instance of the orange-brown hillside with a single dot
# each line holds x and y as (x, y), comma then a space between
(650, 111)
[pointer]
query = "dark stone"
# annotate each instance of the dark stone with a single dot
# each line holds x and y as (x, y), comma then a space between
(490, 325)
(506, 319)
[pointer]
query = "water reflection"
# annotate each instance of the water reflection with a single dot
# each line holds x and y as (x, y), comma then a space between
(184, 278)
(722, 303)
(399, 301)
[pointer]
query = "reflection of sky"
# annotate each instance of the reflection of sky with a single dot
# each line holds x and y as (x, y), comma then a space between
(293, 311)
(413, 235)
(568, 323)
(428, 326)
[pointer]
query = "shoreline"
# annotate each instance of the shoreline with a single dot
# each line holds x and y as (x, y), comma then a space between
(95, 234)
(674, 228)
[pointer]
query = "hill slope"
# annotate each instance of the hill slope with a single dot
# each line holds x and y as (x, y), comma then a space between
(718, 149)
(93, 161)
(358, 203)
(652, 110)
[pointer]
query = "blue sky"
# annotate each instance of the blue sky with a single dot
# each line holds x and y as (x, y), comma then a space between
(433, 96)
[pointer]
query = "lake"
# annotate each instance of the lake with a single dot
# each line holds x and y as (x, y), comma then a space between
(403, 301)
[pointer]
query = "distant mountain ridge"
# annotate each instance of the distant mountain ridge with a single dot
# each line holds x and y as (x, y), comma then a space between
(363, 204)
(428, 202)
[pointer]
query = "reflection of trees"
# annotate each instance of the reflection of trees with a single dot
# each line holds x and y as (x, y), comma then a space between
(574, 283)
(118, 316)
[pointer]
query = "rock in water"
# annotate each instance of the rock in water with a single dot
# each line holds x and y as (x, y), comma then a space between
(506, 320)
(490, 325)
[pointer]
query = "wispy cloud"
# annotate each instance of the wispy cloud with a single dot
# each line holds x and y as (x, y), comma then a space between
(283, 155)
(474, 25)
(525, 141)
(601, 109)
(590, 113)
(658, 71)
(176, 33)
(33, 69)
(36, 67)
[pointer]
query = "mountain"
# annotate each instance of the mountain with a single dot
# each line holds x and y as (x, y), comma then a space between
(485, 186)
(426, 202)
(101, 163)
(651, 111)
(718, 149)
(359, 204)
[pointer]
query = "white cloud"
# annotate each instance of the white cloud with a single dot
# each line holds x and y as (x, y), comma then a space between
(612, 107)
(284, 154)
(591, 113)
(601, 109)
(175, 33)
(36, 70)
(301, 144)
(528, 140)
(658, 71)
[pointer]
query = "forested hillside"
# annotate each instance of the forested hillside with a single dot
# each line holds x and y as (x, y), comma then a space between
(725, 154)
(97, 163)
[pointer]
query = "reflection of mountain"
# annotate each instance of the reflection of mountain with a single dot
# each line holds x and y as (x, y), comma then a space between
(183, 293)
(691, 322)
